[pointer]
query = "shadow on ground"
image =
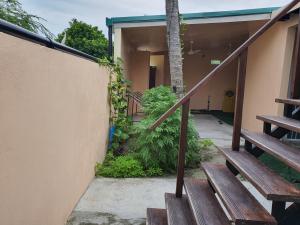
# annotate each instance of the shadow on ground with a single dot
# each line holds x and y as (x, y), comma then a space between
(97, 218)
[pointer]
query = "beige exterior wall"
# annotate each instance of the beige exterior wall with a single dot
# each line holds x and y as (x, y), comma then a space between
(122, 49)
(54, 125)
(139, 70)
(268, 69)
(196, 67)
(118, 37)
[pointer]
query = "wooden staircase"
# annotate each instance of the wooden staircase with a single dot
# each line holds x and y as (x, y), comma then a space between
(222, 199)
(208, 202)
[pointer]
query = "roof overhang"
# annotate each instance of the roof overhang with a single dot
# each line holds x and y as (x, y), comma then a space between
(194, 18)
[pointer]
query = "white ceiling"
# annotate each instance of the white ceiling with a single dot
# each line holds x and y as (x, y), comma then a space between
(205, 36)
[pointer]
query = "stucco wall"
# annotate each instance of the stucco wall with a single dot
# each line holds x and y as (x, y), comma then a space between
(54, 122)
(268, 70)
(199, 65)
(139, 70)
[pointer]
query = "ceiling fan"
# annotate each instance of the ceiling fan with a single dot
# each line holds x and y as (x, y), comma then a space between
(193, 51)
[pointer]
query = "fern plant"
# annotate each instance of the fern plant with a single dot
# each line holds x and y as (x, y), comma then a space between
(159, 148)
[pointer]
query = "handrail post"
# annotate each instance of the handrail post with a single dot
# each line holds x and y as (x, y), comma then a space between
(182, 147)
(239, 100)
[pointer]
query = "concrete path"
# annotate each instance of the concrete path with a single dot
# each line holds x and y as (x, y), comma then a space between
(121, 201)
(124, 201)
(210, 127)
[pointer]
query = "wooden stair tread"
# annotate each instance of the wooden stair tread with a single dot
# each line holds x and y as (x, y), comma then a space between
(270, 184)
(157, 217)
(241, 205)
(204, 204)
(281, 121)
(178, 210)
(288, 101)
(285, 153)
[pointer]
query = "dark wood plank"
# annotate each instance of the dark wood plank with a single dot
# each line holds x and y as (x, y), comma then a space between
(295, 102)
(178, 210)
(270, 184)
(157, 217)
(226, 61)
(243, 208)
(239, 100)
(205, 206)
(285, 153)
(280, 121)
(182, 147)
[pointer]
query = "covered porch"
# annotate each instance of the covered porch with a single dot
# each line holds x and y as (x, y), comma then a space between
(207, 40)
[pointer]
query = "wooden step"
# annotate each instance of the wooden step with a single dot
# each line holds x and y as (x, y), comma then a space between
(280, 121)
(204, 204)
(270, 184)
(285, 153)
(157, 217)
(243, 208)
(178, 210)
(288, 101)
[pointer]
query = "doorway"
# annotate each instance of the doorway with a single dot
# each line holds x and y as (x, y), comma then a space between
(152, 77)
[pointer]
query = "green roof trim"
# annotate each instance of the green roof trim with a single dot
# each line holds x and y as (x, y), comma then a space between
(190, 16)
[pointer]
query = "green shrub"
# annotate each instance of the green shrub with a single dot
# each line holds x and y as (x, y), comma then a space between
(159, 148)
(206, 143)
(154, 172)
(124, 167)
(121, 167)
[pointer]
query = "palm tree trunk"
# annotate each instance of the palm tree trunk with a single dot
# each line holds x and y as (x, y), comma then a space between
(174, 46)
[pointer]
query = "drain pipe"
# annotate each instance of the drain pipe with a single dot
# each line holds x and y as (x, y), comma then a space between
(110, 43)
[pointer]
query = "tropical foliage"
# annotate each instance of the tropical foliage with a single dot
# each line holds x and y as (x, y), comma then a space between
(159, 148)
(154, 153)
(124, 166)
(85, 38)
(12, 11)
(118, 88)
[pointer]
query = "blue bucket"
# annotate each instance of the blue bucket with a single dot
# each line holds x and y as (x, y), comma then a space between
(112, 131)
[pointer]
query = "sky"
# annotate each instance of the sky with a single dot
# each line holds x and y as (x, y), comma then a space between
(59, 12)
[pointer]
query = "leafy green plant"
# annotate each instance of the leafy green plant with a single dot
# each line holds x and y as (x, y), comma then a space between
(154, 172)
(206, 143)
(121, 167)
(118, 89)
(86, 38)
(159, 148)
(124, 167)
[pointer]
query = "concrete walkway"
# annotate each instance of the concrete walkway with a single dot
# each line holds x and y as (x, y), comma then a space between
(124, 201)
(210, 127)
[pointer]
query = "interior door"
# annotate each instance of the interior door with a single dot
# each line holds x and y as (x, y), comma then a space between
(152, 77)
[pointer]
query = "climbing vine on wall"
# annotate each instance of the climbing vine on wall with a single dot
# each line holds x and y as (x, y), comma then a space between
(118, 87)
